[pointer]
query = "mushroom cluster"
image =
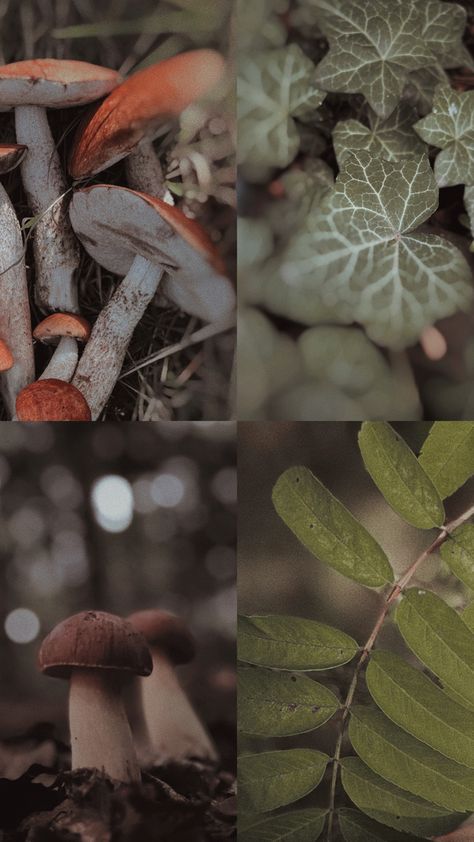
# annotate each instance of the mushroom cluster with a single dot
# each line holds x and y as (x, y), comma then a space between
(134, 231)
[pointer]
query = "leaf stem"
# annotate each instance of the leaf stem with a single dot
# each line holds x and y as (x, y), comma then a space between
(367, 649)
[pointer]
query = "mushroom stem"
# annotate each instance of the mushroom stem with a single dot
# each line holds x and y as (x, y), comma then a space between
(63, 363)
(55, 247)
(173, 728)
(145, 173)
(15, 320)
(100, 732)
(102, 360)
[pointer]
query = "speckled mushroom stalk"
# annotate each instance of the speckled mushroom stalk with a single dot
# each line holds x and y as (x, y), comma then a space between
(63, 363)
(15, 320)
(128, 231)
(145, 173)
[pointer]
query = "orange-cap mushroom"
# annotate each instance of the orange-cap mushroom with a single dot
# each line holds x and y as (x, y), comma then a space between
(131, 115)
(52, 400)
(11, 154)
(96, 652)
(130, 232)
(31, 87)
(6, 357)
(65, 330)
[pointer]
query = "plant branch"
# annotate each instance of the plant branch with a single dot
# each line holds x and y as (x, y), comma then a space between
(367, 649)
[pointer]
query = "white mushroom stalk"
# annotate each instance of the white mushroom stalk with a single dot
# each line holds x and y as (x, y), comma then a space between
(63, 363)
(145, 173)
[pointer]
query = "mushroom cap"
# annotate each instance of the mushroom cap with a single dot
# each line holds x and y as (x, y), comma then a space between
(11, 155)
(54, 327)
(115, 224)
(165, 631)
(94, 640)
(53, 83)
(140, 105)
(52, 400)
(6, 357)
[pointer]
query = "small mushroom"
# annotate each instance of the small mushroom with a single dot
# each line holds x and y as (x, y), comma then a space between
(6, 357)
(173, 728)
(65, 330)
(96, 652)
(128, 120)
(433, 343)
(31, 87)
(15, 319)
(51, 400)
(130, 232)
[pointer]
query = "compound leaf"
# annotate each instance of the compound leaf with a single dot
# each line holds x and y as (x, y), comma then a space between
(328, 530)
(392, 139)
(273, 704)
(399, 476)
(275, 778)
(450, 126)
(298, 826)
(356, 827)
(458, 553)
(292, 643)
(447, 455)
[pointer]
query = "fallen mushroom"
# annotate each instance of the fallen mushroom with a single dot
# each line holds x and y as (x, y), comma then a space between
(65, 330)
(31, 87)
(130, 232)
(15, 320)
(96, 652)
(51, 400)
(128, 120)
(174, 730)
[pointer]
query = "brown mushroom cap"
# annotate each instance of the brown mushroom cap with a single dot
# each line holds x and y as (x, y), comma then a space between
(11, 155)
(54, 327)
(6, 357)
(94, 640)
(167, 632)
(54, 83)
(140, 105)
(52, 400)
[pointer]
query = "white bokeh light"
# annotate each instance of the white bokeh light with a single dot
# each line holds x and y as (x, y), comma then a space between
(22, 625)
(167, 490)
(112, 499)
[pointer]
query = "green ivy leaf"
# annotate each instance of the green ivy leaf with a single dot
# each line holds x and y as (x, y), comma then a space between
(356, 827)
(372, 49)
(443, 26)
(392, 805)
(409, 764)
(297, 826)
(361, 257)
(392, 139)
(439, 638)
(399, 476)
(275, 778)
(421, 86)
(469, 205)
(328, 530)
(450, 126)
(418, 706)
(344, 356)
(447, 455)
(274, 87)
(291, 643)
(458, 553)
(273, 704)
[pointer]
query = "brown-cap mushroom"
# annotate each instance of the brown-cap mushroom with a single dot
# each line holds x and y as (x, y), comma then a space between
(6, 357)
(174, 730)
(15, 320)
(31, 87)
(96, 652)
(51, 400)
(127, 121)
(65, 330)
(130, 232)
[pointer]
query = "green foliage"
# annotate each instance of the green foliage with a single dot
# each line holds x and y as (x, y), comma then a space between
(413, 773)
(392, 139)
(450, 126)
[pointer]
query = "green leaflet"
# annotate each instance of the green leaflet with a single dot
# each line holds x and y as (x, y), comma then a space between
(404, 761)
(356, 827)
(418, 706)
(393, 139)
(447, 455)
(273, 704)
(399, 476)
(298, 826)
(458, 553)
(275, 778)
(328, 530)
(391, 805)
(450, 126)
(291, 643)
(439, 638)
(467, 616)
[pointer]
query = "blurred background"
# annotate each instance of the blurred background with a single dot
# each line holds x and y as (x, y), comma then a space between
(116, 518)
(276, 574)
